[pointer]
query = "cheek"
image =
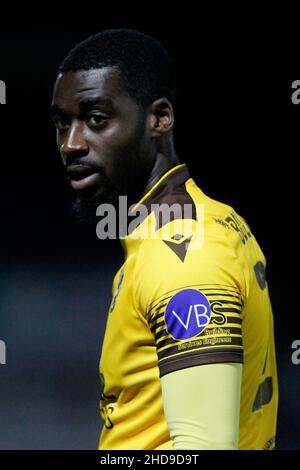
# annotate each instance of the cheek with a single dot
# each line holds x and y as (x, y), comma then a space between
(120, 142)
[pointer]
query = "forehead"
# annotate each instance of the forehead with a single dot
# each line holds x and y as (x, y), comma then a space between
(71, 87)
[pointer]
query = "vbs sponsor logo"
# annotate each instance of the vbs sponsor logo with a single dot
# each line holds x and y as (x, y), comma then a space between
(187, 314)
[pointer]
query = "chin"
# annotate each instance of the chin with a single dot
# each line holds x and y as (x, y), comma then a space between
(83, 206)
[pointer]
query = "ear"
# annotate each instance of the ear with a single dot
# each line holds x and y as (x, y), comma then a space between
(161, 117)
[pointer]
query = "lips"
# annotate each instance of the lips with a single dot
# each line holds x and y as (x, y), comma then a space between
(82, 177)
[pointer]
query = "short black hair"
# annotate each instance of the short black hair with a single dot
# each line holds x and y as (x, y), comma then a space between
(145, 66)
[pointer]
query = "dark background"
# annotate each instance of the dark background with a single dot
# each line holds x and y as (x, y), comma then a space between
(237, 130)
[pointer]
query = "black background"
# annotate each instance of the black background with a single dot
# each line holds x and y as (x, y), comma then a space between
(239, 133)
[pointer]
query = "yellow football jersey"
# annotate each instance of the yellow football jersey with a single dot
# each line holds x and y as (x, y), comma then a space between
(192, 291)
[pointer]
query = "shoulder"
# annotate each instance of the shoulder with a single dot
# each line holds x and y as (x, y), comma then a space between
(212, 231)
(169, 264)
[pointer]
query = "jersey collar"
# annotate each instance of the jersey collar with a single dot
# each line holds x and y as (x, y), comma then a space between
(166, 185)
(166, 190)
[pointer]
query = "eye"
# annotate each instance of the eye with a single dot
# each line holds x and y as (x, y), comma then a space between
(96, 120)
(60, 124)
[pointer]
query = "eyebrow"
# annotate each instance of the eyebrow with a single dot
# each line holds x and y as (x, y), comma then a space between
(84, 105)
(88, 103)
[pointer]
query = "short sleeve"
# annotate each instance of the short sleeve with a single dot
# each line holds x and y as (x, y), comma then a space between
(193, 305)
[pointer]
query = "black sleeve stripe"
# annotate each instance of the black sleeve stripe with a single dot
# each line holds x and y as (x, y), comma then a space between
(148, 314)
(191, 360)
(237, 304)
(229, 310)
(157, 325)
(220, 349)
(234, 320)
(160, 320)
(159, 314)
(210, 294)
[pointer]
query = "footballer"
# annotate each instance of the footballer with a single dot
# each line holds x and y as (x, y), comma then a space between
(188, 358)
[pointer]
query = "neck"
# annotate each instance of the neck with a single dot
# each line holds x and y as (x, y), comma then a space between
(164, 161)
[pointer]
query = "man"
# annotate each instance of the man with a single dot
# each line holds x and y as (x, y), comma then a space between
(188, 358)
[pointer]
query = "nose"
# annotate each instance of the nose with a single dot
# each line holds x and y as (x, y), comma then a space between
(74, 145)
